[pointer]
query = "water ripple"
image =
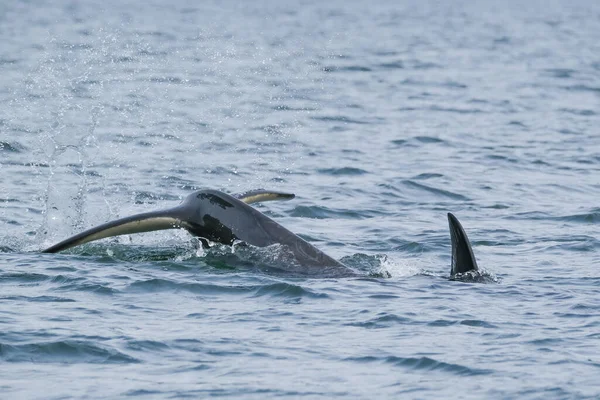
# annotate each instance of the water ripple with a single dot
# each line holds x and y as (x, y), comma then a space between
(424, 364)
(67, 351)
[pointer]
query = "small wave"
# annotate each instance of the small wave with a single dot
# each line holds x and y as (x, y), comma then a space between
(392, 65)
(287, 290)
(423, 364)
(143, 392)
(384, 320)
(477, 323)
(583, 88)
(591, 217)
(342, 171)
(435, 191)
(578, 111)
(69, 283)
(318, 212)
(425, 176)
(146, 345)
(41, 299)
(156, 285)
(68, 351)
(446, 84)
(341, 118)
(456, 110)
(417, 141)
(23, 277)
(348, 68)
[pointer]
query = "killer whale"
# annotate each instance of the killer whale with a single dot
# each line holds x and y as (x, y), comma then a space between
(215, 216)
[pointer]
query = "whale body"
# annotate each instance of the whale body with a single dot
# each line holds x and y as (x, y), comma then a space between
(216, 216)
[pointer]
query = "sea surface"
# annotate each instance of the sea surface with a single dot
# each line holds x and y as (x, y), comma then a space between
(382, 117)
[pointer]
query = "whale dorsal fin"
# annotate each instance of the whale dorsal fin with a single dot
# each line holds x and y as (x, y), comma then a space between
(260, 195)
(463, 259)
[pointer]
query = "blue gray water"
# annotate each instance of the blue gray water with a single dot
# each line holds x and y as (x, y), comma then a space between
(381, 117)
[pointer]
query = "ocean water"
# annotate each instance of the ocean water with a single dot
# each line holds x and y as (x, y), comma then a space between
(381, 117)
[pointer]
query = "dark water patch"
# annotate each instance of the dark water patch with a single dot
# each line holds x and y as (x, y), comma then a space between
(518, 123)
(561, 73)
(392, 65)
(435, 191)
(442, 323)
(408, 246)
(68, 351)
(546, 342)
(569, 132)
(585, 307)
(399, 142)
(497, 206)
(23, 278)
(287, 290)
(383, 320)
(456, 110)
(167, 257)
(319, 212)
(41, 299)
(421, 65)
(578, 111)
(146, 345)
(541, 162)
(68, 284)
(477, 323)
(157, 285)
(352, 151)
(427, 139)
(499, 157)
(423, 364)
(341, 119)
(145, 392)
(347, 68)
(8, 61)
(576, 315)
(584, 88)
(417, 141)
(11, 147)
(446, 84)
(590, 217)
(425, 176)
(342, 171)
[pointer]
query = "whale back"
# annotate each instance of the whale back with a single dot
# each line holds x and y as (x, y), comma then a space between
(222, 218)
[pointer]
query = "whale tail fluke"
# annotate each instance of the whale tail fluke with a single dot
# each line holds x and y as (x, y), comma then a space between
(174, 218)
(146, 222)
(260, 195)
(463, 259)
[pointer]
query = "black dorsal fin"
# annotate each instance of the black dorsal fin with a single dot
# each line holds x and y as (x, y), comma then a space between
(463, 259)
